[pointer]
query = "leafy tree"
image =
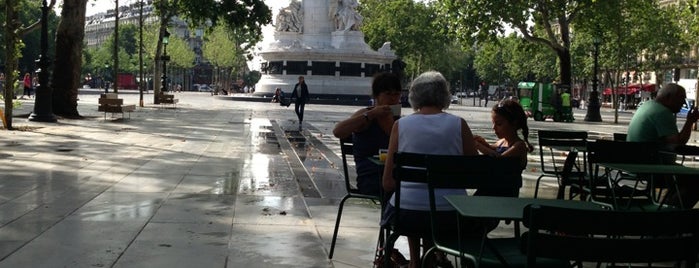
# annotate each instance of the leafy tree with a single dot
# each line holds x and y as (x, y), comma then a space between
(635, 35)
(414, 30)
(181, 55)
(514, 59)
(66, 69)
(99, 56)
(247, 16)
(482, 20)
(16, 28)
(686, 15)
(222, 49)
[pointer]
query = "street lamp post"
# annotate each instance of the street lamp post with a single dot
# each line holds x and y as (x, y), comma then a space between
(165, 58)
(593, 107)
(104, 78)
(43, 103)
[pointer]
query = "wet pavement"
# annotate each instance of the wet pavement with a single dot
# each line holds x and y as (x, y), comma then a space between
(212, 183)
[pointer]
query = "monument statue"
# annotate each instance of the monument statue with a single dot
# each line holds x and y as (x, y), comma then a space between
(344, 15)
(322, 41)
(290, 19)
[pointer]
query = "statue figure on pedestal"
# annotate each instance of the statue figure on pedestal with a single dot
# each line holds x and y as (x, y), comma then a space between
(344, 15)
(290, 19)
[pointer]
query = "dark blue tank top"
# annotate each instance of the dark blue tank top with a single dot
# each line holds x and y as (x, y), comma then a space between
(367, 143)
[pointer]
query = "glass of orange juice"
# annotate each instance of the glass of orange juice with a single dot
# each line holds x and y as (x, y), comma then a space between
(382, 154)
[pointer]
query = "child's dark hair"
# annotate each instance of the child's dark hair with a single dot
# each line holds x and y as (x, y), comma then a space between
(513, 112)
(383, 82)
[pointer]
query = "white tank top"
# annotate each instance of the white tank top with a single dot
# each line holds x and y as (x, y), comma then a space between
(438, 134)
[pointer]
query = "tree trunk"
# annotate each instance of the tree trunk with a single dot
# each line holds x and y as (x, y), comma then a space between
(11, 57)
(69, 46)
(565, 65)
(158, 71)
(115, 56)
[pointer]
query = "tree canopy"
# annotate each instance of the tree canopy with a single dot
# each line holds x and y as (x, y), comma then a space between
(414, 30)
(482, 20)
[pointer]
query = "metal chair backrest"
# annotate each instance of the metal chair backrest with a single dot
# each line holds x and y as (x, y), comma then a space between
(606, 151)
(619, 136)
(550, 139)
(610, 236)
(346, 149)
(495, 176)
(407, 167)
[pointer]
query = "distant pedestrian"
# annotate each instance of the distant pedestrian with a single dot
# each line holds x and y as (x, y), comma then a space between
(566, 108)
(279, 97)
(35, 83)
(300, 97)
(2, 82)
(27, 86)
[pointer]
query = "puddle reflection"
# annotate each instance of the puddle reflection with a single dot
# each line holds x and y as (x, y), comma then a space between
(140, 210)
(256, 172)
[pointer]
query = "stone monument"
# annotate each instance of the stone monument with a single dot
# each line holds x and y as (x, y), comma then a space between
(320, 39)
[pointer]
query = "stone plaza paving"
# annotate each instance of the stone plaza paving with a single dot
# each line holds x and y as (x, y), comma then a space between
(212, 183)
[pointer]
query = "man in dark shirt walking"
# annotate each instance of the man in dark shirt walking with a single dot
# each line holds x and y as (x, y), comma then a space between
(300, 96)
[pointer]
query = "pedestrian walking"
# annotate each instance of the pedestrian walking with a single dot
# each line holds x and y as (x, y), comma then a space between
(300, 97)
(27, 86)
(2, 83)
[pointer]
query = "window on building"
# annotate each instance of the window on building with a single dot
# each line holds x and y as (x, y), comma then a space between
(296, 67)
(275, 67)
(350, 69)
(323, 68)
(371, 69)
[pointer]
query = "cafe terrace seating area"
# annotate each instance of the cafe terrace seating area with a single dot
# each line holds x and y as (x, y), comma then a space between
(610, 209)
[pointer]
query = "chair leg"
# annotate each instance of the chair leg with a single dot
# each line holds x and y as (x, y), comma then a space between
(388, 248)
(337, 226)
(383, 235)
(432, 250)
(536, 188)
(561, 191)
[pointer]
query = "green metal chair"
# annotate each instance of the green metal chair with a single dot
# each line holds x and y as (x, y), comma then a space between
(606, 236)
(489, 175)
(553, 144)
(604, 184)
(346, 149)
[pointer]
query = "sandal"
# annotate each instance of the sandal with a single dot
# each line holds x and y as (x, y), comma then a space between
(439, 260)
(397, 260)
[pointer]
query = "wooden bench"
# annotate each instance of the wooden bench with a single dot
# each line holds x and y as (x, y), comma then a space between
(109, 103)
(168, 99)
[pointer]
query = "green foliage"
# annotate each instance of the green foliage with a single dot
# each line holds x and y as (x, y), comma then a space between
(252, 77)
(483, 20)
(634, 35)
(181, 55)
(414, 30)
(222, 49)
(28, 13)
(128, 38)
(247, 16)
(511, 59)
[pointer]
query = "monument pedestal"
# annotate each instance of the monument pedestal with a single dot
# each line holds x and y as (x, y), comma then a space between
(336, 64)
(348, 40)
(286, 40)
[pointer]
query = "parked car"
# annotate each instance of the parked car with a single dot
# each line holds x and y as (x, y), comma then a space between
(205, 88)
